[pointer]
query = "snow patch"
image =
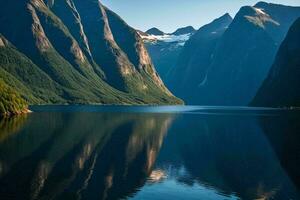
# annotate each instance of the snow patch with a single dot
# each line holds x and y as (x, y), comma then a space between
(181, 44)
(167, 38)
(260, 11)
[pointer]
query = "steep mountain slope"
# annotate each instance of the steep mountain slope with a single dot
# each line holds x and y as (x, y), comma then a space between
(194, 60)
(282, 86)
(77, 45)
(10, 101)
(165, 49)
(241, 58)
(20, 73)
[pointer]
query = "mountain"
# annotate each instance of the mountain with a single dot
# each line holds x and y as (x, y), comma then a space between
(164, 49)
(73, 51)
(154, 31)
(10, 101)
(195, 57)
(184, 30)
(230, 71)
(282, 86)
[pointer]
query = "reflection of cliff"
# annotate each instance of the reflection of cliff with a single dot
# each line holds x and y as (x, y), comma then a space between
(11, 125)
(86, 155)
(127, 167)
(284, 135)
(230, 154)
(150, 140)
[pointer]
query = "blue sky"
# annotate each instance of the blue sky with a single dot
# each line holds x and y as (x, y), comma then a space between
(168, 15)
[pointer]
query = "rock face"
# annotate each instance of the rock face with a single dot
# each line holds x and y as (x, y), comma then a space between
(84, 51)
(231, 71)
(282, 87)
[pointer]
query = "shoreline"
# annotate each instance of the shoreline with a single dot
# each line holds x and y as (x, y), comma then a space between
(10, 114)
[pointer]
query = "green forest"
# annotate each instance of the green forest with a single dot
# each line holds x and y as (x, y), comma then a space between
(10, 101)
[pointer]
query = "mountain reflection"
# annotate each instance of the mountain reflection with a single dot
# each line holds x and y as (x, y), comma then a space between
(11, 125)
(232, 155)
(284, 136)
(111, 156)
(81, 155)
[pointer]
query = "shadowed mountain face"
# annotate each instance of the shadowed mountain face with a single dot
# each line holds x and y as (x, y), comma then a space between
(164, 56)
(195, 57)
(84, 52)
(229, 70)
(282, 87)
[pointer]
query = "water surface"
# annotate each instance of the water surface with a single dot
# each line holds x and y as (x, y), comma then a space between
(178, 152)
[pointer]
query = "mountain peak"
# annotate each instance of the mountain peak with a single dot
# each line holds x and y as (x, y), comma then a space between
(184, 30)
(225, 17)
(256, 15)
(155, 31)
(220, 23)
(261, 4)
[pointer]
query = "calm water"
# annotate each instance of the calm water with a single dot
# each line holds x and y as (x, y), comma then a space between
(143, 153)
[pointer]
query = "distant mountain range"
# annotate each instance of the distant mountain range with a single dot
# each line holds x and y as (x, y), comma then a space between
(226, 62)
(180, 31)
(164, 48)
(74, 51)
(282, 86)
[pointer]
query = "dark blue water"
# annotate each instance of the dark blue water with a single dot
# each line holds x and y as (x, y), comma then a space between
(161, 153)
